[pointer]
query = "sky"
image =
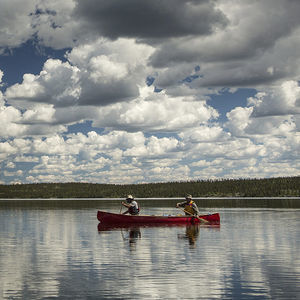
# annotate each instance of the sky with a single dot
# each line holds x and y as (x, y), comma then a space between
(148, 91)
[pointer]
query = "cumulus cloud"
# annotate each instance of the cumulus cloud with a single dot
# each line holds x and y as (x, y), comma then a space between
(16, 22)
(59, 156)
(119, 156)
(137, 78)
(14, 123)
(54, 25)
(240, 123)
(150, 112)
(2, 103)
(6, 150)
(49, 22)
(8, 116)
(281, 100)
(250, 32)
(56, 84)
(39, 114)
(154, 147)
(238, 120)
(255, 48)
(204, 134)
(100, 73)
(273, 111)
(156, 112)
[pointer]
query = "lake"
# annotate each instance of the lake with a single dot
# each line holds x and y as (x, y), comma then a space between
(61, 253)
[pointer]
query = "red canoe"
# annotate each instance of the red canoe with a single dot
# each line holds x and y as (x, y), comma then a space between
(111, 218)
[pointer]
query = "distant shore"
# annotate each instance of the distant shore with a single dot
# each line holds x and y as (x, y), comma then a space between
(145, 199)
(203, 202)
(209, 189)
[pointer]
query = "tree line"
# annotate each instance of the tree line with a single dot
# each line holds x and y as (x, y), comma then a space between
(269, 187)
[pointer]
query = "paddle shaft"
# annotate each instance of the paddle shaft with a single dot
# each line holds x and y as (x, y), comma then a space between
(200, 219)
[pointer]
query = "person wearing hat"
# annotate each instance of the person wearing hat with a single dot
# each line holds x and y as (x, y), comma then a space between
(132, 205)
(189, 206)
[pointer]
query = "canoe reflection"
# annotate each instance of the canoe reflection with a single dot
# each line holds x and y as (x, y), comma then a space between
(132, 233)
(110, 227)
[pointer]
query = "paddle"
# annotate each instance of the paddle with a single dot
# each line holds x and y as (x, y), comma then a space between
(200, 219)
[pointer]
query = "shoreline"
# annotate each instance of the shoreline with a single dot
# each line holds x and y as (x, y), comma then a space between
(152, 198)
(203, 202)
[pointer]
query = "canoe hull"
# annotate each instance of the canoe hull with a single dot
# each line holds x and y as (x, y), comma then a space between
(112, 218)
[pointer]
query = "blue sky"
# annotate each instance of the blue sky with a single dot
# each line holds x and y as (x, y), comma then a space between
(148, 91)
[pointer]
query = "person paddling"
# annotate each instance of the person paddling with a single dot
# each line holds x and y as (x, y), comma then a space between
(132, 205)
(189, 206)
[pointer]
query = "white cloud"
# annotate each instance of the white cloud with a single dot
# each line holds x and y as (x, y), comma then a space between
(13, 174)
(281, 126)
(204, 134)
(51, 22)
(6, 150)
(104, 70)
(23, 158)
(52, 145)
(8, 118)
(39, 114)
(272, 111)
(238, 120)
(2, 102)
(16, 22)
(281, 100)
(235, 149)
(59, 156)
(148, 136)
(55, 26)
(123, 157)
(156, 112)
(56, 84)
(98, 74)
(29, 89)
(154, 147)
(36, 121)
(150, 112)
(10, 165)
(256, 47)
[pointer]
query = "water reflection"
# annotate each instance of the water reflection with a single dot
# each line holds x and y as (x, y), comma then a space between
(132, 233)
(191, 234)
(46, 254)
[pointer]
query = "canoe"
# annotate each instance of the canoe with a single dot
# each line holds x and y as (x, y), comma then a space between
(112, 218)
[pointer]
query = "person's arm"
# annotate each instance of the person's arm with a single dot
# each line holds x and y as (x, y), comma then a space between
(196, 208)
(181, 204)
(125, 204)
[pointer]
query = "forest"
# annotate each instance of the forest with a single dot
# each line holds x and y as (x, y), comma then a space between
(269, 187)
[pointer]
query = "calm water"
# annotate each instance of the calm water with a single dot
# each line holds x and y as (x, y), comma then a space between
(60, 253)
